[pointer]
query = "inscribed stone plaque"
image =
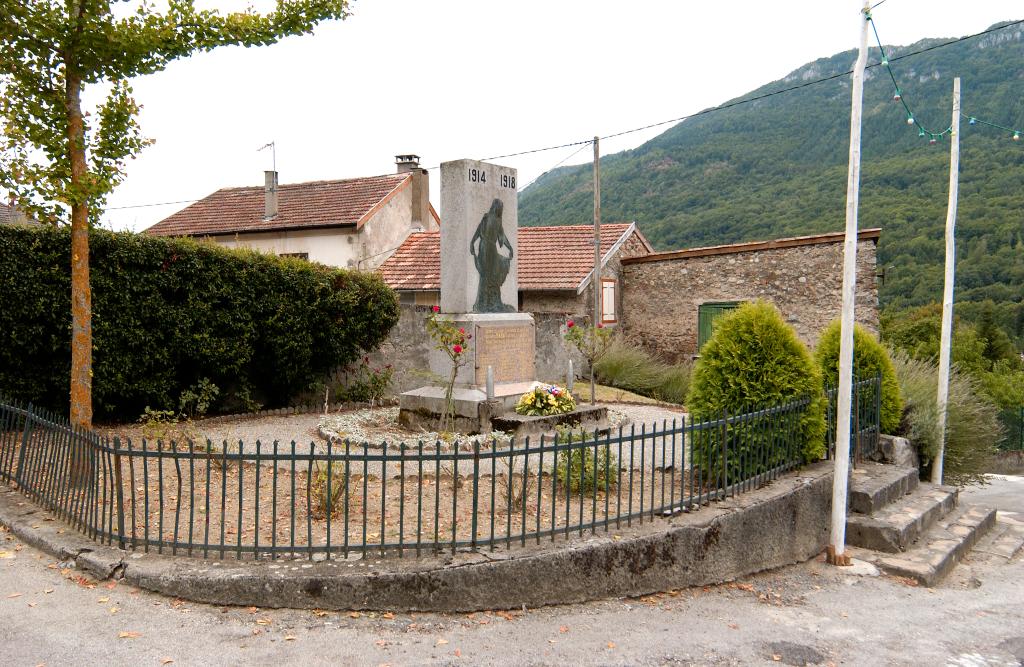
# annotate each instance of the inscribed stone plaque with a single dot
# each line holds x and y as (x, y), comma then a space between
(506, 349)
(479, 255)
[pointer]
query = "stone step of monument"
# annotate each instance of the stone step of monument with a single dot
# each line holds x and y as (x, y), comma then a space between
(938, 551)
(896, 526)
(875, 485)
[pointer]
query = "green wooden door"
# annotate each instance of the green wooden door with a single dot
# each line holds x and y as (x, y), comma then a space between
(707, 314)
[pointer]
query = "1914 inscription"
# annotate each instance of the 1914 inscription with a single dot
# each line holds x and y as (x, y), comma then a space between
(506, 349)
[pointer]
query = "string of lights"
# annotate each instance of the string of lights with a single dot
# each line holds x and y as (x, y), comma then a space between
(900, 96)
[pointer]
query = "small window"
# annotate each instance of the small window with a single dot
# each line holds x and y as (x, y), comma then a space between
(296, 255)
(608, 314)
(707, 315)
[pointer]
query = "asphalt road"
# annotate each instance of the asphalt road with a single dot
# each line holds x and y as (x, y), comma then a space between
(809, 613)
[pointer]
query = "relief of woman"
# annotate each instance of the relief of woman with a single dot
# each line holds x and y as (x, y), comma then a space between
(492, 265)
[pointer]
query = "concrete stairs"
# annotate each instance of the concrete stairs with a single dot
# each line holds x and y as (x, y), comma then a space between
(913, 529)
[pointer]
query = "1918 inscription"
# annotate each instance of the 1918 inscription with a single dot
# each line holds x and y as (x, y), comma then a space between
(506, 349)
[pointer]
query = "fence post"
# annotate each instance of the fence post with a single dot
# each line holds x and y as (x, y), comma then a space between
(24, 445)
(856, 422)
(119, 493)
(725, 451)
(476, 484)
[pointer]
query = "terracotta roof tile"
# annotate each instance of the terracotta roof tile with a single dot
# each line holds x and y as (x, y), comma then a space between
(9, 214)
(300, 205)
(550, 258)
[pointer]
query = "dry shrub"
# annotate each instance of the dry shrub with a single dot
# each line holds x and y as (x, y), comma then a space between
(972, 420)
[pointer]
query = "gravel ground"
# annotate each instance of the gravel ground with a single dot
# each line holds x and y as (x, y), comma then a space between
(303, 428)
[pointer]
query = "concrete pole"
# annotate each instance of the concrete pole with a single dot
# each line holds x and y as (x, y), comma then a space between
(947, 290)
(836, 554)
(597, 257)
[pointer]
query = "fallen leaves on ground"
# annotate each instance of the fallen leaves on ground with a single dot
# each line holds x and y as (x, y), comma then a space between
(6, 554)
(611, 644)
(128, 634)
(14, 595)
(290, 638)
(354, 614)
(166, 661)
(441, 641)
(564, 629)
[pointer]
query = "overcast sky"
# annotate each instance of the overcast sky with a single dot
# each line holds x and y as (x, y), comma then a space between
(450, 79)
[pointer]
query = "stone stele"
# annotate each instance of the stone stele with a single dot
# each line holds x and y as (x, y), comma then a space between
(479, 205)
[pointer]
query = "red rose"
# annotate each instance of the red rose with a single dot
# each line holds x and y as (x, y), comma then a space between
(436, 309)
(570, 324)
(600, 326)
(461, 330)
(457, 349)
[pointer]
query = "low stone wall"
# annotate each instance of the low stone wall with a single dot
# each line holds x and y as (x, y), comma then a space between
(783, 523)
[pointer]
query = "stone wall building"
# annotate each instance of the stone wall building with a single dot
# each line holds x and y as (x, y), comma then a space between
(670, 299)
(354, 223)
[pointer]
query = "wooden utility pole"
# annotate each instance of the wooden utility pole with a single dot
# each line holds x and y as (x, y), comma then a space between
(947, 290)
(597, 260)
(836, 554)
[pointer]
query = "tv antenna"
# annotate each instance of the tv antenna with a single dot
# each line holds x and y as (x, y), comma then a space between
(273, 154)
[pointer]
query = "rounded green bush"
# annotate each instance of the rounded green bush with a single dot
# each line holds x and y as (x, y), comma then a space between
(870, 358)
(753, 361)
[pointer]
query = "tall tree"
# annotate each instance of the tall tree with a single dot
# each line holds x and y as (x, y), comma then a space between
(58, 161)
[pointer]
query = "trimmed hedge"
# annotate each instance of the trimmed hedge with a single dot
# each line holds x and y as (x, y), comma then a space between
(753, 361)
(870, 358)
(168, 313)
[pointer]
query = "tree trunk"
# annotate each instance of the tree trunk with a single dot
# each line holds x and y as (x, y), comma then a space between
(81, 294)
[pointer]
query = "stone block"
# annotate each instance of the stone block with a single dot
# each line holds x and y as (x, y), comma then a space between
(479, 262)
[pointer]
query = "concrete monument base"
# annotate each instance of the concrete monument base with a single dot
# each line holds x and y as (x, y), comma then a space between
(503, 342)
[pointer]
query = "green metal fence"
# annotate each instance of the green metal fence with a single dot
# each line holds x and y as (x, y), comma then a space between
(865, 416)
(343, 499)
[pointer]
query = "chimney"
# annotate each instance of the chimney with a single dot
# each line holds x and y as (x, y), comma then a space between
(270, 195)
(407, 163)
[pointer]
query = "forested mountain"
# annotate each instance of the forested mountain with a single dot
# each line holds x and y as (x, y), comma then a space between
(777, 167)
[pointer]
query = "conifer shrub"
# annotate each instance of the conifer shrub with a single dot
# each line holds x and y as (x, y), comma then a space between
(870, 359)
(752, 362)
(171, 314)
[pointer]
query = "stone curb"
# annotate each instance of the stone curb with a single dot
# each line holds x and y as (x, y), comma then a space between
(786, 522)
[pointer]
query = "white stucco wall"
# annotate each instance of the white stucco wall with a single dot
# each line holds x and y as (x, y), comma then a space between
(335, 246)
(344, 247)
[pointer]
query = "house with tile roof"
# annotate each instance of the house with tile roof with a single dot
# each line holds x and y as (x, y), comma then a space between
(353, 223)
(10, 215)
(556, 266)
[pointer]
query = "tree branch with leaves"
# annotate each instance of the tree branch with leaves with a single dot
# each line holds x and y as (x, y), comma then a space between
(58, 161)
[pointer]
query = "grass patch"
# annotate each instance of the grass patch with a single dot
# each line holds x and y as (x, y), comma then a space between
(633, 369)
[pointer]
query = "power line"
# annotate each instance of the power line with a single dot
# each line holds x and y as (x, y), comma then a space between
(163, 203)
(815, 82)
(704, 112)
(557, 164)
